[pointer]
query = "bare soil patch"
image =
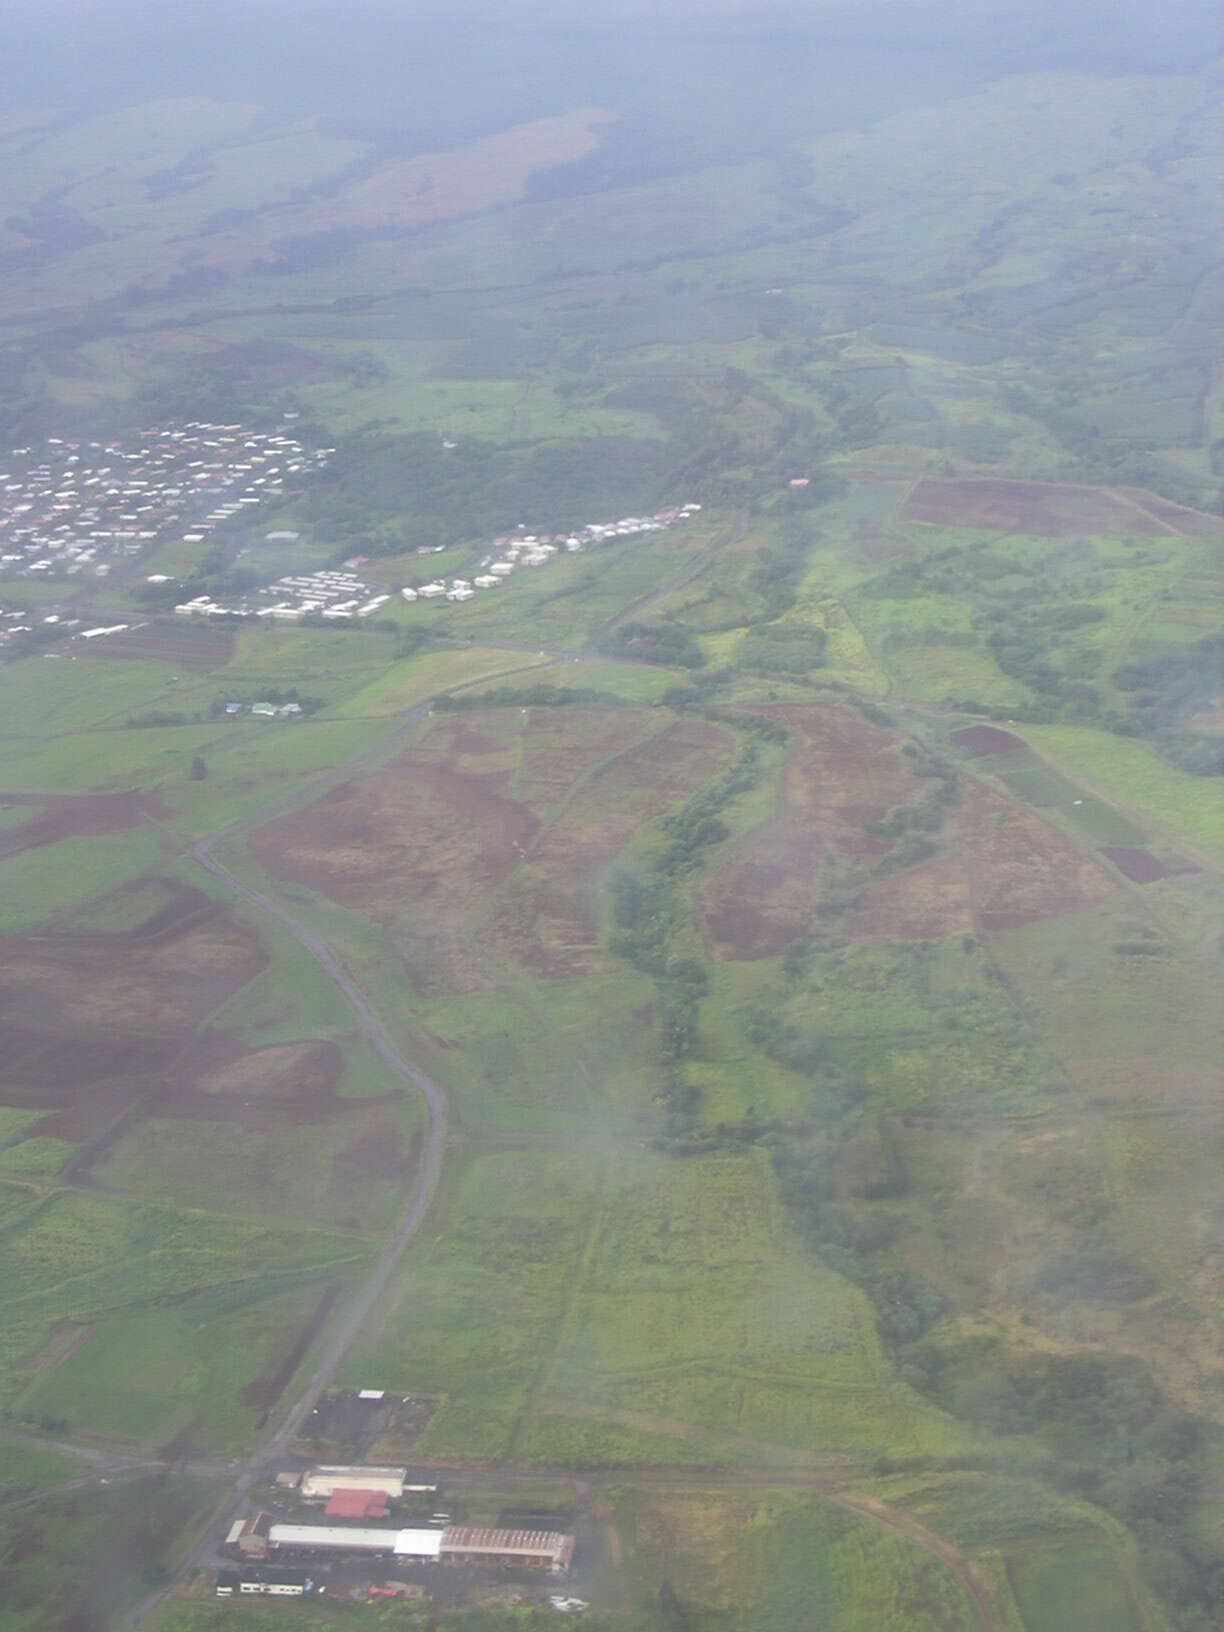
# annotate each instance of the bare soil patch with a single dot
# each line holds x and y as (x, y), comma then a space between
(1141, 866)
(1044, 509)
(921, 904)
(62, 1343)
(219, 1068)
(841, 773)
(1019, 867)
(1001, 865)
(71, 816)
(193, 649)
(91, 1022)
(546, 918)
(462, 820)
(981, 740)
(402, 194)
(418, 838)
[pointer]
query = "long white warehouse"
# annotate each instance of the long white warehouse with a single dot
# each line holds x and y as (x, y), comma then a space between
(358, 1539)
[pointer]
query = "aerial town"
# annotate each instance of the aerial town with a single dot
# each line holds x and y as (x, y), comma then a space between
(68, 508)
(339, 596)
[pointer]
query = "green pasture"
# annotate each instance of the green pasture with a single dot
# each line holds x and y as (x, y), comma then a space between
(28, 1465)
(258, 764)
(106, 760)
(186, 1299)
(474, 1307)
(349, 1172)
(695, 1309)
(1120, 769)
(772, 1560)
(147, 1378)
(633, 1300)
(1074, 1590)
(36, 884)
(1088, 818)
(84, 1557)
(414, 680)
(535, 1058)
(37, 1157)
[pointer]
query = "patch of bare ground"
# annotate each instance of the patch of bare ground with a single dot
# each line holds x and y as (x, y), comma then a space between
(427, 844)
(1141, 866)
(981, 740)
(196, 650)
(1178, 517)
(70, 816)
(546, 919)
(1148, 1082)
(402, 194)
(1001, 865)
(841, 773)
(418, 839)
(90, 1022)
(920, 904)
(1020, 868)
(1042, 509)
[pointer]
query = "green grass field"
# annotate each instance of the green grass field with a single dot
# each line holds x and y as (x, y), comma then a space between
(90, 1555)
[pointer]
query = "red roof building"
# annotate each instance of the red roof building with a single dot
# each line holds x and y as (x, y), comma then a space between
(357, 1504)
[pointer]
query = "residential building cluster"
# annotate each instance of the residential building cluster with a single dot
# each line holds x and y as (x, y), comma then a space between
(523, 549)
(333, 595)
(79, 507)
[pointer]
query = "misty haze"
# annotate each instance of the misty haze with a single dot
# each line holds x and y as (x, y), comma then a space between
(612, 816)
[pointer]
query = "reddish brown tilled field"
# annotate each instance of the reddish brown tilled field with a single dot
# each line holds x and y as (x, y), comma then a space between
(426, 846)
(546, 918)
(196, 650)
(983, 740)
(1042, 509)
(1019, 867)
(92, 1022)
(921, 904)
(66, 816)
(841, 773)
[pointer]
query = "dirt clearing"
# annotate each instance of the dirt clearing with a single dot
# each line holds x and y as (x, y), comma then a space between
(1141, 866)
(841, 773)
(488, 836)
(66, 816)
(981, 740)
(1041, 509)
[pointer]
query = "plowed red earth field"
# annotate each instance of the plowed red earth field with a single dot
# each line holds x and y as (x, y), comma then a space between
(66, 816)
(95, 1028)
(999, 863)
(487, 838)
(841, 773)
(1043, 509)
(1002, 866)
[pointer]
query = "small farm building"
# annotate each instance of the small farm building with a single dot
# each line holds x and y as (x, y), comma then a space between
(326, 1481)
(357, 1504)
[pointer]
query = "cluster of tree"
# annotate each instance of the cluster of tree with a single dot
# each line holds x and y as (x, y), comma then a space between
(928, 814)
(1167, 690)
(663, 642)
